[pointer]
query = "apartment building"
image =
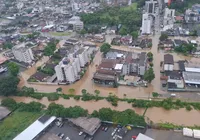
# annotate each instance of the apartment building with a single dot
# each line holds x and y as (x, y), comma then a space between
(67, 70)
(22, 53)
(83, 56)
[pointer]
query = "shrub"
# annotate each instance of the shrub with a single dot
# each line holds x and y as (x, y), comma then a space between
(188, 108)
(38, 96)
(53, 96)
(77, 97)
(155, 94)
(65, 96)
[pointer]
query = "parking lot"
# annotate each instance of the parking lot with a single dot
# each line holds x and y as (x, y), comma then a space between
(72, 132)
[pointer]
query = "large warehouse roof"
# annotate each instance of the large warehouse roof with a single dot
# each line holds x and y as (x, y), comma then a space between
(192, 69)
(35, 128)
(191, 77)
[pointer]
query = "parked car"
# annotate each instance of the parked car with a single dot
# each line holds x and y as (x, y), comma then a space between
(102, 128)
(80, 133)
(106, 129)
(91, 138)
(67, 138)
(62, 136)
(58, 134)
(85, 136)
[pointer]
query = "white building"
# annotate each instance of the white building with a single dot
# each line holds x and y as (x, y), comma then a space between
(169, 18)
(67, 70)
(76, 22)
(23, 53)
(78, 26)
(146, 24)
(150, 6)
(83, 56)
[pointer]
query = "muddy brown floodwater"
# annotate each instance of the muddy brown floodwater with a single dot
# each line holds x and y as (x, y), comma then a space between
(157, 115)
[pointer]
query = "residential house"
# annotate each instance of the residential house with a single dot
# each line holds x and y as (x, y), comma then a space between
(168, 62)
(176, 79)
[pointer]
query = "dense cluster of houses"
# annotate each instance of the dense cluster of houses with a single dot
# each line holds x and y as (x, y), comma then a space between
(120, 63)
(180, 75)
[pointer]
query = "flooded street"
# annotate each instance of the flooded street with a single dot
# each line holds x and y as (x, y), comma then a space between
(87, 83)
(155, 114)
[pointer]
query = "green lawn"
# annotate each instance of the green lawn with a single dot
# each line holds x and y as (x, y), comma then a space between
(133, 6)
(16, 123)
(60, 33)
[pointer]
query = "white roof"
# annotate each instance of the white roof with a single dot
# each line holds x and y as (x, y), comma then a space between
(196, 134)
(34, 129)
(192, 69)
(193, 41)
(119, 55)
(118, 66)
(48, 26)
(187, 132)
(143, 137)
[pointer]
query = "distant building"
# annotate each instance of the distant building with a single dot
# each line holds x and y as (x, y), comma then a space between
(169, 18)
(76, 22)
(146, 24)
(192, 16)
(150, 6)
(168, 62)
(22, 53)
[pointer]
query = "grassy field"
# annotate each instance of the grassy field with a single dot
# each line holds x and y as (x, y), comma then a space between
(60, 33)
(16, 123)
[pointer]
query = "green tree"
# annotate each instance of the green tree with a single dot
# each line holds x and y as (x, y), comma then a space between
(7, 45)
(50, 48)
(83, 31)
(13, 68)
(8, 85)
(163, 37)
(97, 92)
(10, 103)
(134, 34)
(59, 89)
(27, 90)
(105, 48)
(149, 75)
(150, 56)
(71, 91)
(123, 31)
(84, 91)
(155, 94)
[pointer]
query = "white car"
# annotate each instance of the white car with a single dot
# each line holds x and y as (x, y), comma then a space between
(67, 138)
(80, 133)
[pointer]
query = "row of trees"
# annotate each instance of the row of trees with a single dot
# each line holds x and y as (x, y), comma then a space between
(8, 85)
(106, 114)
(125, 117)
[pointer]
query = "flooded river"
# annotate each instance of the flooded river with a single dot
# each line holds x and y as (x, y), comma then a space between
(157, 115)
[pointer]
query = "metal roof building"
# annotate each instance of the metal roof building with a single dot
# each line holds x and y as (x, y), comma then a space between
(35, 128)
